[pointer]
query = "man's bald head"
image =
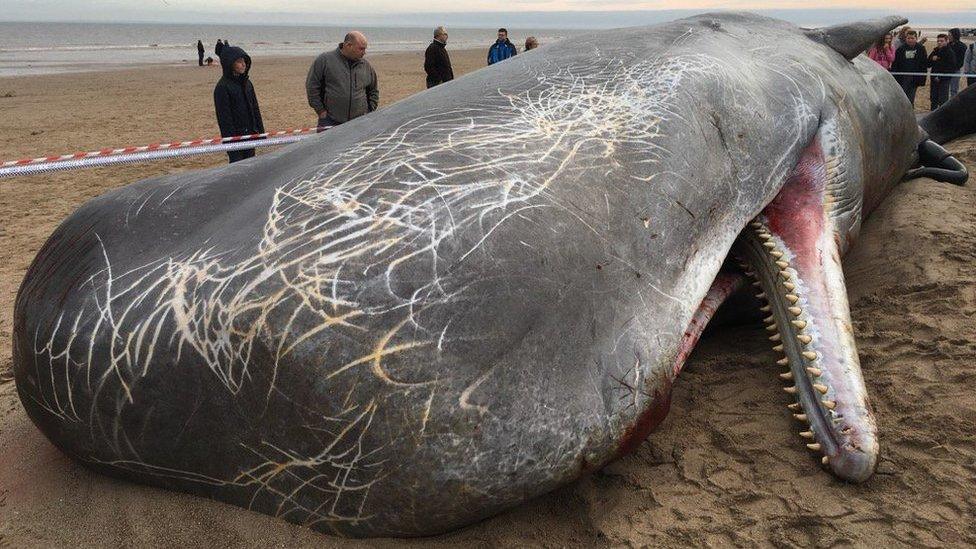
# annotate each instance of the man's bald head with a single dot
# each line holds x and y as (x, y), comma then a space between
(353, 45)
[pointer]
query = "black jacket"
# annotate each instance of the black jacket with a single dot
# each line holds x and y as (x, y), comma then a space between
(910, 59)
(959, 50)
(234, 98)
(437, 64)
(946, 62)
(218, 47)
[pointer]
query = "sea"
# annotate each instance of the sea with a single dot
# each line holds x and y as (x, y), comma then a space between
(30, 48)
(45, 48)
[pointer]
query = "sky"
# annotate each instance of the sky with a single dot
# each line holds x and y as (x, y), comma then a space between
(383, 12)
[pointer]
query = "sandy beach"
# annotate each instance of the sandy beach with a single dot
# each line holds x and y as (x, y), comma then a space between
(725, 468)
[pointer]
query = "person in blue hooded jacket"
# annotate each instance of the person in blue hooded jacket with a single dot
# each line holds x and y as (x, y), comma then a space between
(502, 49)
(235, 101)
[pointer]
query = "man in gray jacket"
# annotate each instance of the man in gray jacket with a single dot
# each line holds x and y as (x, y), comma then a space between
(341, 85)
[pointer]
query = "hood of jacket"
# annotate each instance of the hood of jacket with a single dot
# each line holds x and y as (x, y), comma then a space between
(227, 57)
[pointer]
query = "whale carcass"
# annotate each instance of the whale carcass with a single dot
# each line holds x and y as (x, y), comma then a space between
(443, 308)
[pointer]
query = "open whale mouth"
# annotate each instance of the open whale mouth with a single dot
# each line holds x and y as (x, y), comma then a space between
(791, 251)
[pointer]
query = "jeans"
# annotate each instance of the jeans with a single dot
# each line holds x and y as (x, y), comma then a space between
(237, 156)
(938, 91)
(954, 85)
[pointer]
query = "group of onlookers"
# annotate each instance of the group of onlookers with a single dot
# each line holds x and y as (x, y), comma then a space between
(437, 63)
(341, 84)
(905, 56)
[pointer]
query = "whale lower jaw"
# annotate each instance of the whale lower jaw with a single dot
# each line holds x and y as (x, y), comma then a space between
(792, 252)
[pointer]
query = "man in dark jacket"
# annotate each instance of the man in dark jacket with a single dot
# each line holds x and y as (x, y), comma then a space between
(942, 60)
(959, 50)
(341, 85)
(910, 57)
(218, 47)
(200, 51)
(502, 49)
(437, 63)
(235, 101)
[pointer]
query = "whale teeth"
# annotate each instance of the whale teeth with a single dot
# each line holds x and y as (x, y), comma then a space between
(771, 328)
(820, 387)
(789, 286)
(800, 417)
(778, 348)
(782, 264)
(807, 434)
(775, 337)
(761, 295)
(815, 372)
(815, 447)
(787, 376)
(757, 283)
(792, 298)
(783, 361)
(756, 225)
(785, 275)
(809, 355)
(804, 339)
(800, 324)
(829, 404)
(765, 308)
(795, 406)
(795, 311)
(791, 389)
(769, 319)
(769, 245)
(825, 460)
(776, 254)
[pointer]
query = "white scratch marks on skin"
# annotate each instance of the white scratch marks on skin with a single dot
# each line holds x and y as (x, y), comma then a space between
(353, 256)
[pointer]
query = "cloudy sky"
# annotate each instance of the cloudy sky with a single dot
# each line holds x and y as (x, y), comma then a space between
(298, 11)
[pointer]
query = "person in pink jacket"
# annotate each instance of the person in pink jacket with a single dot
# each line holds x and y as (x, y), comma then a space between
(883, 52)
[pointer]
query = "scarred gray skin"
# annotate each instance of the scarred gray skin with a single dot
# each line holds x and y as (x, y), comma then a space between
(448, 306)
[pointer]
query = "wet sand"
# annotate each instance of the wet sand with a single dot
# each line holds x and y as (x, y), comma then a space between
(725, 468)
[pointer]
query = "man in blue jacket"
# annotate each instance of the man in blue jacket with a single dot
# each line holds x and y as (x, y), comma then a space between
(502, 49)
(235, 101)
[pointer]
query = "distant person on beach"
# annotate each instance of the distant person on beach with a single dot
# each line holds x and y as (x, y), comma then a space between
(502, 49)
(235, 101)
(959, 50)
(218, 47)
(200, 51)
(942, 60)
(531, 43)
(969, 64)
(910, 57)
(437, 63)
(341, 85)
(882, 52)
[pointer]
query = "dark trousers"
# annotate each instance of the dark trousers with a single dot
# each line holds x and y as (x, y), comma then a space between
(938, 91)
(200, 56)
(326, 122)
(909, 86)
(237, 156)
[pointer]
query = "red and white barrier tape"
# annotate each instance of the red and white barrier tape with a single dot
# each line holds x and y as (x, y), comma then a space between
(124, 155)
